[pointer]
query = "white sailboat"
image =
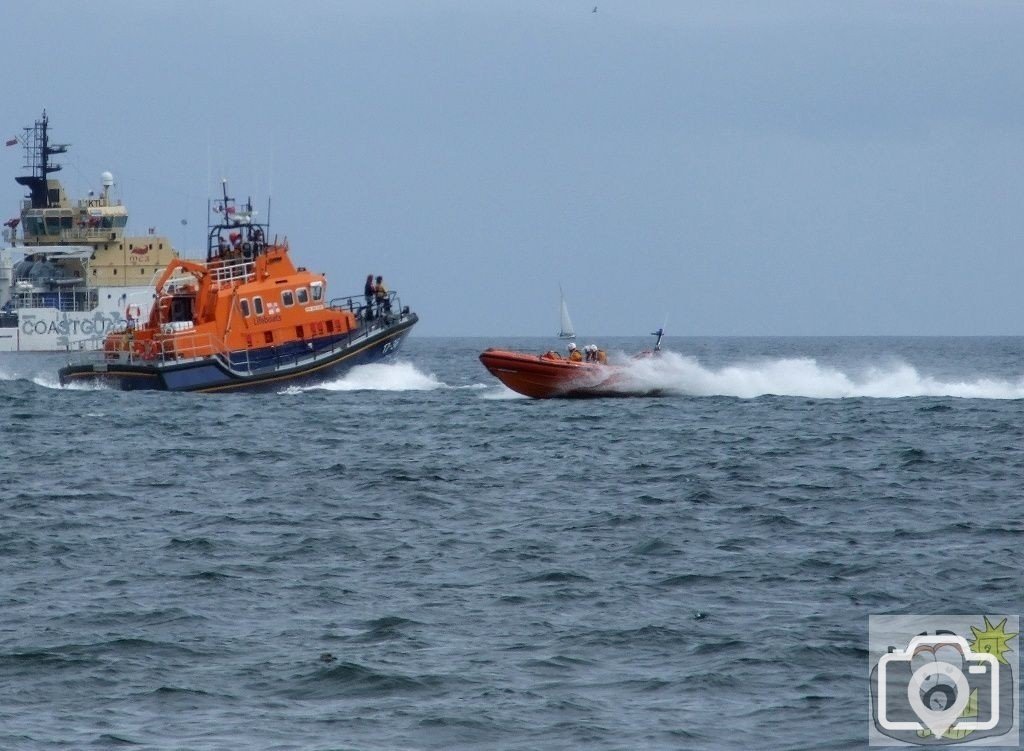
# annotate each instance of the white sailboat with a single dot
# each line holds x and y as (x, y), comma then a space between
(567, 331)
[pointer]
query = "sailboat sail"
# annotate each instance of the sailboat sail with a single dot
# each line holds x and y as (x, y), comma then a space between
(567, 331)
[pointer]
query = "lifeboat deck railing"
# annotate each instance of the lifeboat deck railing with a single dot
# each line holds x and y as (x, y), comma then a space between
(373, 315)
(232, 273)
(186, 348)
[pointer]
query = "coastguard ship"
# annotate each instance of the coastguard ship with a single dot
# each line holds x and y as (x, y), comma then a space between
(245, 319)
(72, 276)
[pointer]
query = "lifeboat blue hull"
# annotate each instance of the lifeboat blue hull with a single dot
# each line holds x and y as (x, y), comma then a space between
(267, 369)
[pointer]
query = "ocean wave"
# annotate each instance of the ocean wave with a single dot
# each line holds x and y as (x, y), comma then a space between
(352, 679)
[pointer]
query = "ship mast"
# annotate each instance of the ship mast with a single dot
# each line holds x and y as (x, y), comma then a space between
(38, 151)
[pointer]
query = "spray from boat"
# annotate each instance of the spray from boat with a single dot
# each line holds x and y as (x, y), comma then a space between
(674, 374)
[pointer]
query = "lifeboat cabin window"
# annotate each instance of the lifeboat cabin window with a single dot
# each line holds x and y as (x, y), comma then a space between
(287, 298)
(181, 309)
(302, 295)
(244, 305)
(257, 305)
(318, 290)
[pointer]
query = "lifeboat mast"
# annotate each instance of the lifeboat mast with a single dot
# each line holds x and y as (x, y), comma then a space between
(244, 235)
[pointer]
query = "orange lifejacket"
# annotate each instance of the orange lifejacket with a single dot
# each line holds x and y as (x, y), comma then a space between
(575, 356)
(601, 357)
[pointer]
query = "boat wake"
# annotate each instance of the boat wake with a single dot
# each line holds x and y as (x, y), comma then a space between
(500, 393)
(45, 379)
(397, 376)
(676, 374)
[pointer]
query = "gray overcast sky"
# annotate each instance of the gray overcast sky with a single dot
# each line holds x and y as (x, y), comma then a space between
(739, 167)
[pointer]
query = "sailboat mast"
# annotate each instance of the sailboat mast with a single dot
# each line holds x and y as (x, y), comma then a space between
(567, 331)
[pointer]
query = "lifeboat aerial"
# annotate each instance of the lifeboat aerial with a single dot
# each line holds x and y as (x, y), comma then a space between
(247, 318)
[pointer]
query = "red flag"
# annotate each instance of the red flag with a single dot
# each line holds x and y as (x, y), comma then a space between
(10, 141)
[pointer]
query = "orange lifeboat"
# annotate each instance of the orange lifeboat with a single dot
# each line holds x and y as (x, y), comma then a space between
(247, 318)
(550, 375)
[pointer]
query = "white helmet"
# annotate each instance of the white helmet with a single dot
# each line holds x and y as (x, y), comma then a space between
(592, 347)
(572, 346)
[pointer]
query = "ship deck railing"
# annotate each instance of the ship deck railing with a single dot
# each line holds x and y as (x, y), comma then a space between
(88, 234)
(67, 302)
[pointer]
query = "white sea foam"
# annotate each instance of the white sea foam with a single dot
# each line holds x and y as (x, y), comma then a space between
(397, 376)
(680, 374)
(500, 393)
(46, 381)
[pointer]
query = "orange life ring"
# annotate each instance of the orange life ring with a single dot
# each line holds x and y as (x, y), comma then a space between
(133, 312)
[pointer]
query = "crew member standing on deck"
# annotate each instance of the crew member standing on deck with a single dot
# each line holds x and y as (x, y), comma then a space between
(369, 292)
(383, 303)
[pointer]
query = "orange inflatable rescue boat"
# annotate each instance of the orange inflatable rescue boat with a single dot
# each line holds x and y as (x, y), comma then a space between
(551, 376)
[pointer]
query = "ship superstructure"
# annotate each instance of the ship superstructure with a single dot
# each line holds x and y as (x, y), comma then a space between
(72, 274)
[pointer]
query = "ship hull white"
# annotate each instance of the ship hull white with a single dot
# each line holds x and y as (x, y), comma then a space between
(52, 330)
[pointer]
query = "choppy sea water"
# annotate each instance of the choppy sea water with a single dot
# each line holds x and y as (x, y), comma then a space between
(486, 571)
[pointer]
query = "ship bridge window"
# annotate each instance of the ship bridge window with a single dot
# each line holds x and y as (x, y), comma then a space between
(244, 305)
(318, 290)
(65, 222)
(302, 295)
(52, 224)
(257, 305)
(287, 298)
(54, 195)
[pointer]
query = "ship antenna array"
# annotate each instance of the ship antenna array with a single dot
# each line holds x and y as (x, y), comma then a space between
(38, 148)
(38, 151)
